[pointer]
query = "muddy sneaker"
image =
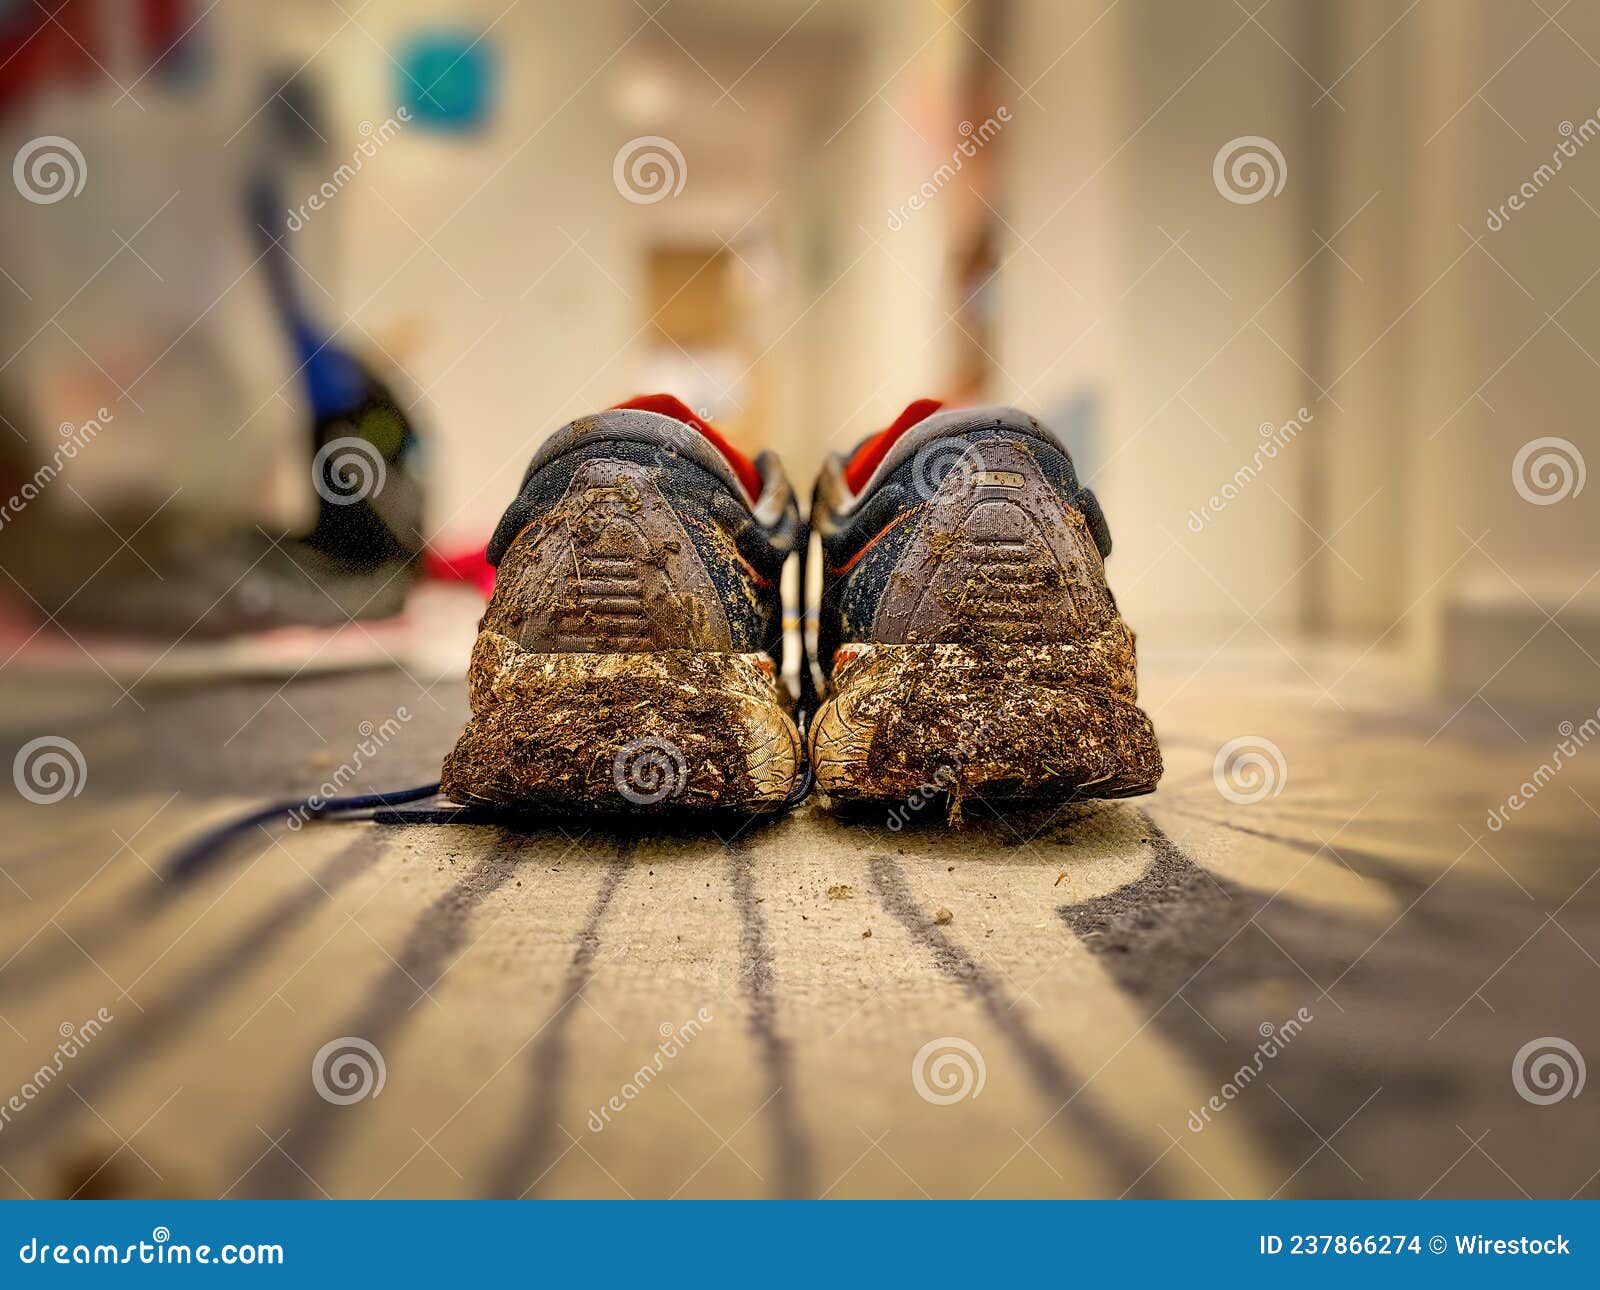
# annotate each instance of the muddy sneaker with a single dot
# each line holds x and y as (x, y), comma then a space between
(629, 657)
(967, 639)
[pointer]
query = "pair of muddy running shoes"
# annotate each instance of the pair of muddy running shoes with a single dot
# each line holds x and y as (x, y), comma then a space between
(967, 645)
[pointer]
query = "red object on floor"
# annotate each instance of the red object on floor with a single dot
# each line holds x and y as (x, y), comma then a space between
(469, 566)
(668, 406)
(866, 458)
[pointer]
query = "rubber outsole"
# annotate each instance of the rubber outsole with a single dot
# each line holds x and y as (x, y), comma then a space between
(626, 732)
(998, 722)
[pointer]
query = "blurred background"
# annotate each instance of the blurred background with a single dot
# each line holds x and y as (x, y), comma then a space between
(290, 293)
(1255, 261)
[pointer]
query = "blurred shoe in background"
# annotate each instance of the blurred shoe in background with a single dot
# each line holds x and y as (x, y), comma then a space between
(182, 579)
(235, 465)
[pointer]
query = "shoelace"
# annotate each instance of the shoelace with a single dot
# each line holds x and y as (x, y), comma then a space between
(198, 854)
(807, 706)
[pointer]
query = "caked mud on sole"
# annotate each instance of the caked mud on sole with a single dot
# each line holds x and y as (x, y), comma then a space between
(999, 722)
(622, 732)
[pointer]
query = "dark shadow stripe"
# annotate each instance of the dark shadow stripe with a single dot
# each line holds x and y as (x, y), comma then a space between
(52, 956)
(1156, 933)
(137, 1037)
(1181, 931)
(1039, 1061)
(1363, 863)
(791, 1146)
(1170, 882)
(1408, 1018)
(1178, 941)
(435, 941)
(531, 1153)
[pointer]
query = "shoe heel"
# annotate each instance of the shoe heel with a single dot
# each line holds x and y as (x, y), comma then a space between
(1035, 722)
(646, 731)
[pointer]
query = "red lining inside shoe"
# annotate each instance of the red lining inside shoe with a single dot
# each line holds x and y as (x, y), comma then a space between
(866, 458)
(668, 406)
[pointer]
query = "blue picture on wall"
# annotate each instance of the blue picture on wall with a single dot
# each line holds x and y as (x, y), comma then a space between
(447, 79)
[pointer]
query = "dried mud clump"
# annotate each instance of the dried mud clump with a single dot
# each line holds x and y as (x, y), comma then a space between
(1036, 722)
(628, 732)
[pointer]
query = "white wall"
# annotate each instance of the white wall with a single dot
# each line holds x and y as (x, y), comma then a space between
(466, 246)
(1114, 144)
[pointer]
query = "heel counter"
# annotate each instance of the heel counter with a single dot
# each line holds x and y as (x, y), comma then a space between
(998, 555)
(608, 567)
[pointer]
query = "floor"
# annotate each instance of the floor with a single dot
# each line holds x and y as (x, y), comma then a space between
(1323, 992)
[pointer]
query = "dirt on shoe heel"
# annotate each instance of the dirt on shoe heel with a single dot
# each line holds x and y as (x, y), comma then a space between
(647, 731)
(1043, 722)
